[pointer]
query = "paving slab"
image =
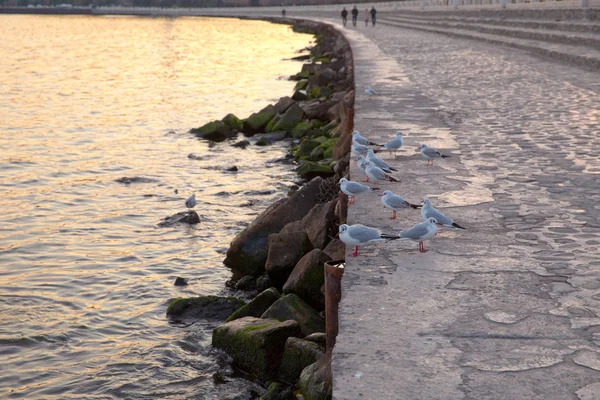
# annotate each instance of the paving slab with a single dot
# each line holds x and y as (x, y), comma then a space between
(508, 308)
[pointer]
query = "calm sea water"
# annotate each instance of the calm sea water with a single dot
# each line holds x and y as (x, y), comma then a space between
(85, 272)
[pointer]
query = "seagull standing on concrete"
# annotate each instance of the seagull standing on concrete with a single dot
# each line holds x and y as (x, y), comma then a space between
(358, 138)
(355, 235)
(379, 162)
(395, 202)
(420, 232)
(395, 144)
(191, 202)
(362, 165)
(359, 149)
(377, 174)
(370, 92)
(428, 211)
(429, 153)
(351, 189)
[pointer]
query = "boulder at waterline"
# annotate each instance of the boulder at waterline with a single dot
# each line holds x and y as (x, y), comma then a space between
(305, 148)
(316, 381)
(204, 307)
(308, 278)
(183, 217)
(293, 307)
(297, 355)
(283, 104)
(300, 95)
(255, 344)
(336, 249)
(216, 131)
(179, 281)
(232, 122)
(242, 144)
(320, 224)
(310, 170)
(285, 250)
(248, 251)
(247, 282)
(289, 119)
(257, 122)
(278, 391)
(263, 283)
(257, 306)
(266, 139)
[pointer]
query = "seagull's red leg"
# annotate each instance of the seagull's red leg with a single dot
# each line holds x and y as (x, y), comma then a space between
(421, 247)
(393, 214)
(355, 253)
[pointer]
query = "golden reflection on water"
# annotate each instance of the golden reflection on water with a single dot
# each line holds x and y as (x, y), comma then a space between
(85, 274)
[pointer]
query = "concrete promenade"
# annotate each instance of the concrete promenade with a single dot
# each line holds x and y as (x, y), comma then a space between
(509, 308)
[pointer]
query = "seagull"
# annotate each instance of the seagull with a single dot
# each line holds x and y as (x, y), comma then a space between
(420, 232)
(377, 174)
(395, 202)
(359, 149)
(395, 144)
(191, 202)
(355, 235)
(379, 162)
(429, 212)
(352, 189)
(362, 164)
(370, 92)
(358, 138)
(429, 153)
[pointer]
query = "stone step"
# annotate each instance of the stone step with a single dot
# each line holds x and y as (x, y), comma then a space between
(573, 38)
(580, 55)
(567, 26)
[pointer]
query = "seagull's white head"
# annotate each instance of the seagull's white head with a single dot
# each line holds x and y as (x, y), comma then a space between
(343, 228)
(423, 145)
(355, 133)
(399, 134)
(385, 193)
(370, 152)
(430, 220)
(426, 202)
(343, 180)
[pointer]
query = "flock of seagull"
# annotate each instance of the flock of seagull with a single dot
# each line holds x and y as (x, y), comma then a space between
(376, 169)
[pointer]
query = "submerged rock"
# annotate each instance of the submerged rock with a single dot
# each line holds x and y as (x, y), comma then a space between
(215, 131)
(297, 355)
(204, 307)
(255, 344)
(179, 281)
(292, 307)
(242, 144)
(183, 217)
(134, 179)
(232, 169)
(257, 306)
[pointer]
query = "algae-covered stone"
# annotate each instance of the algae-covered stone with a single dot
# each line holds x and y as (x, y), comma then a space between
(291, 118)
(300, 85)
(278, 391)
(266, 139)
(204, 307)
(216, 131)
(315, 380)
(297, 355)
(255, 344)
(285, 250)
(299, 95)
(283, 104)
(301, 129)
(293, 307)
(305, 148)
(233, 122)
(309, 170)
(247, 282)
(307, 279)
(257, 122)
(300, 76)
(271, 124)
(257, 306)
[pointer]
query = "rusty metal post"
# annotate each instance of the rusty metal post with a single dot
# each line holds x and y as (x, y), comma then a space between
(333, 293)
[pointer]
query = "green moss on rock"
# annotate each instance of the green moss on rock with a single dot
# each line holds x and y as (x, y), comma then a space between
(204, 307)
(257, 122)
(309, 170)
(233, 122)
(257, 306)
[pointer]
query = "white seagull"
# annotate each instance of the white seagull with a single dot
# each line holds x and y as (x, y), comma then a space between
(428, 211)
(355, 235)
(379, 161)
(362, 165)
(370, 92)
(429, 153)
(395, 202)
(420, 232)
(358, 138)
(395, 144)
(351, 189)
(359, 149)
(377, 174)
(191, 202)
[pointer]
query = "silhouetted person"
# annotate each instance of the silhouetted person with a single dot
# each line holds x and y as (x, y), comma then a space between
(344, 16)
(373, 14)
(354, 15)
(283, 13)
(366, 17)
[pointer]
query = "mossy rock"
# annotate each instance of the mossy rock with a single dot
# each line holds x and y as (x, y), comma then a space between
(255, 344)
(278, 391)
(305, 148)
(299, 76)
(315, 380)
(301, 129)
(204, 307)
(325, 91)
(309, 170)
(271, 124)
(299, 95)
(316, 154)
(215, 131)
(314, 93)
(292, 307)
(257, 122)
(300, 85)
(292, 117)
(298, 354)
(257, 306)
(233, 122)
(308, 277)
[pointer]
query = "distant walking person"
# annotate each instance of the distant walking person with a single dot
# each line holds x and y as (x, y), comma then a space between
(283, 13)
(366, 17)
(354, 15)
(344, 16)
(373, 14)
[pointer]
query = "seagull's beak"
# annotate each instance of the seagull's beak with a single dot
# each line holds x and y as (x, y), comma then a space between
(380, 195)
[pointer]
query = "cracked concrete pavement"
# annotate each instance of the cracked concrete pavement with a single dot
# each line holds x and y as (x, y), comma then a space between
(509, 308)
